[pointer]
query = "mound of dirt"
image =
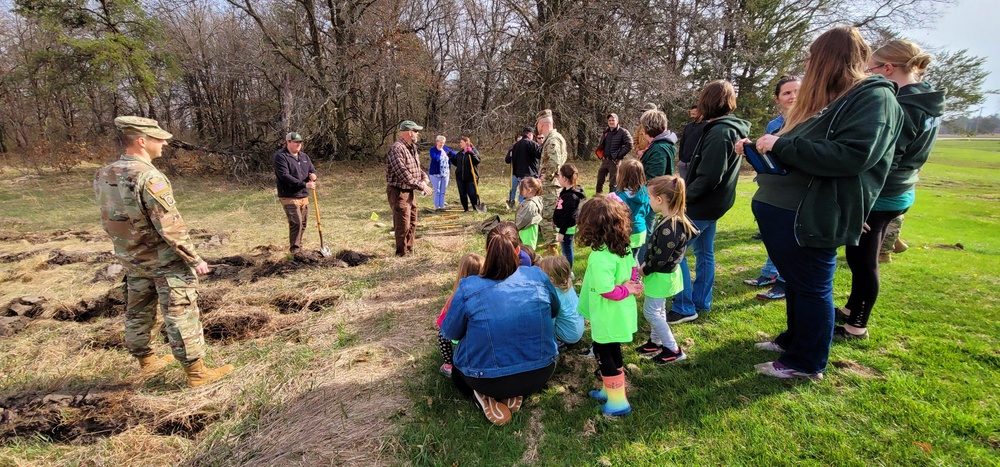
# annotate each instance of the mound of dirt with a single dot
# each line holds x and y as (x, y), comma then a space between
(112, 303)
(209, 299)
(86, 417)
(294, 303)
(15, 257)
(353, 258)
(11, 325)
(36, 238)
(28, 306)
(236, 326)
(62, 258)
(211, 240)
(112, 273)
(110, 336)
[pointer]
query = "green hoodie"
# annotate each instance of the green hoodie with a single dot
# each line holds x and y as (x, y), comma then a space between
(715, 169)
(838, 161)
(922, 108)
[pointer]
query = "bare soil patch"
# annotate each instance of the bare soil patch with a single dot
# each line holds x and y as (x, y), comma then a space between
(112, 303)
(37, 238)
(298, 303)
(28, 306)
(16, 257)
(855, 368)
(243, 324)
(11, 325)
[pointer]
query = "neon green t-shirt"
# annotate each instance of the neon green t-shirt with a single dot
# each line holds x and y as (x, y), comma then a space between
(529, 235)
(636, 240)
(610, 320)
(663, 284)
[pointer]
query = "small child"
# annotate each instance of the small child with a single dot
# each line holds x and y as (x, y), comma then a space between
(632, 190)
(607, 297)
(529, 212)
(567, 209)
(663, 253)
(569, 323)
(470, 265)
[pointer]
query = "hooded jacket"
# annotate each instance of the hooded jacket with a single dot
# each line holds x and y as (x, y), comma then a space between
(529, 212)
(715, 168)
(838, 161)
(568, 208)
(923, 108)
(638, 205)
(465, 163)
(658, 159)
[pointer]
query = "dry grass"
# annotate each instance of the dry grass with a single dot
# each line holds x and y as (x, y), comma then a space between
(322, 353)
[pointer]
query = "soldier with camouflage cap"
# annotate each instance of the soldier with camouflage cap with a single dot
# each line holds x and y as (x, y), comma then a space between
(139, 212)
(553, 157)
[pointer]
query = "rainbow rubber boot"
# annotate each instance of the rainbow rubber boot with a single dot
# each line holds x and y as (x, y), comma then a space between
(614, 387)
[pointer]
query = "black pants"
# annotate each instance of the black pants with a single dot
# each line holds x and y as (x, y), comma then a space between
(609, 168)
(467, 193)
(504, 387)
(863, 261)
(609, 357)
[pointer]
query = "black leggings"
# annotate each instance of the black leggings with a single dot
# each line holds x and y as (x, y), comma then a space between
(504, 387)
(447, 349)
(609, 357)
(863, 261)
(467, 193)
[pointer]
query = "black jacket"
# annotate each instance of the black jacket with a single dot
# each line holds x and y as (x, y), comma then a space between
(526, 155)
(568, 208)
(617, 144)
(666, 246)
(689, 140)
(292, 174)
(463, 168)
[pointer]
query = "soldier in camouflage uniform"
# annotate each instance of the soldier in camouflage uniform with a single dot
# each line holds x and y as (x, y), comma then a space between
(553, 157)
(139, 212)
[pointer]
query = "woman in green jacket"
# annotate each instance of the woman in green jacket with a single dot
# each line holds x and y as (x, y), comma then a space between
(837, 145)
(903, 63)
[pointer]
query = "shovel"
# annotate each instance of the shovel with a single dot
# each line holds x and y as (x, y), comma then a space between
(323, 250)
(481, 207)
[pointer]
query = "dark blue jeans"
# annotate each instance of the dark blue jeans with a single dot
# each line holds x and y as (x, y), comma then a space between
(808, 274)
(567, 248)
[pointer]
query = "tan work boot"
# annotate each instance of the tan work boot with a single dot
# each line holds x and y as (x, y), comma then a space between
(884, 257)
(199, 374)
(899, 246)
(152, 364)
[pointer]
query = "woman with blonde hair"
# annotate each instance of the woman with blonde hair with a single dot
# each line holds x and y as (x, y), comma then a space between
(837, 145)
(903, 63)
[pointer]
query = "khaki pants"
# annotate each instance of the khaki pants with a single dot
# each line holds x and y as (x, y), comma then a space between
(404, 218)
(297, 212)
(176, 292)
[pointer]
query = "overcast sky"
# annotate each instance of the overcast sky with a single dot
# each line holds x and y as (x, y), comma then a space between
(973, 25)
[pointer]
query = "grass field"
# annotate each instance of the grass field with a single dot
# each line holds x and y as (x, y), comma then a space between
(339, 365)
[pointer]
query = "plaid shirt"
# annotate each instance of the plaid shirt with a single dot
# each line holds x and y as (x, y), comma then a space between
(403, 167)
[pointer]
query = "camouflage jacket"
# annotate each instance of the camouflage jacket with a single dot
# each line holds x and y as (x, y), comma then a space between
(140, 214)
(553, 156)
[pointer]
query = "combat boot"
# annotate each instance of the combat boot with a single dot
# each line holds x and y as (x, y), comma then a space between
(152, 364)
(199, 374)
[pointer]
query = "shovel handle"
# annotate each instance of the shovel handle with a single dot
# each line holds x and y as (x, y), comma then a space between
(319, 224)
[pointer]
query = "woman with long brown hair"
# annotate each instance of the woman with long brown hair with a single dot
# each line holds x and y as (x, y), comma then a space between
(504, 319)
(837, 145)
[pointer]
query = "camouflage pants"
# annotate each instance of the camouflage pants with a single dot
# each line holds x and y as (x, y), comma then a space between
(892, 233)
(547, 229)
(177, 295)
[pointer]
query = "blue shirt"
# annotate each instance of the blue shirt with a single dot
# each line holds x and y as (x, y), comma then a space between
(895, 203)
(505, 327)
(638, 205)
(569, 323)
(440, 165)
(774, 125)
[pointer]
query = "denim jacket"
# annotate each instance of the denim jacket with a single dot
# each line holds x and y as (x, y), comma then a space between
(505, 327)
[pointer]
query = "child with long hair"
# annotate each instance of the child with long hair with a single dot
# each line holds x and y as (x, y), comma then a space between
(569, 323)
(470, 265)
(529, 212)
(607, 297)
(664, 250)
(632, 190)
(567, 209)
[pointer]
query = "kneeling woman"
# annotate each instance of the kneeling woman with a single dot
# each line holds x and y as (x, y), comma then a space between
(503, 319)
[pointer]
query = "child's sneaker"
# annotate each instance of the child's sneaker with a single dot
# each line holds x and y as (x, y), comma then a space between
(648, 348)
(445, 370)
(762, 281)
(668, 356)
(777, 292)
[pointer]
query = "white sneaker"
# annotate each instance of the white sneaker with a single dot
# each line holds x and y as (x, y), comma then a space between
(769, 345)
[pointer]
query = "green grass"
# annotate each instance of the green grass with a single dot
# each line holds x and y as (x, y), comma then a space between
(923, 390)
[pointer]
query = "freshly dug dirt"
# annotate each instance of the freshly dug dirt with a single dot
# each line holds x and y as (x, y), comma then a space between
(236, 326)
(112, 303)
(28, 306)
(62, 258)
(353, 258)
(308, 258)
(15, 257)
(11, 325)
(209, 299)
(295, 303)
(36, 238)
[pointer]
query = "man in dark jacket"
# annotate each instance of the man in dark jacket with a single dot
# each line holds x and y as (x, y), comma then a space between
(295, 175)
(616, 143)
(689, 141)
(525, 156)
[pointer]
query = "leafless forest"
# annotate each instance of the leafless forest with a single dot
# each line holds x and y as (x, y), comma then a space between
(229, 77)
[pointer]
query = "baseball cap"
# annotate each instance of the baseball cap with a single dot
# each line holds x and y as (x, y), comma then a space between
(146, 126)
(409, 125)
(293, 136)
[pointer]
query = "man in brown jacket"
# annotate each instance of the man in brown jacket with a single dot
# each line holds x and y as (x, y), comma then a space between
(403, 175)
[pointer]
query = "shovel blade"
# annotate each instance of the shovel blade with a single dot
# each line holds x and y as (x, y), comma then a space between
(325, 252)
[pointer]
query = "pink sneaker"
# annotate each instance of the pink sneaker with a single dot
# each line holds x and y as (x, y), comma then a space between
(445, 370)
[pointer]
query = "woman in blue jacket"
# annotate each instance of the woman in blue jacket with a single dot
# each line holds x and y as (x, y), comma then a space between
(440, 170)
(504, 320)
(837, 145)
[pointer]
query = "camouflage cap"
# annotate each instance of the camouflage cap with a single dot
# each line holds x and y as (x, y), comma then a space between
(147, 126)
(294, 137)
(409, 125)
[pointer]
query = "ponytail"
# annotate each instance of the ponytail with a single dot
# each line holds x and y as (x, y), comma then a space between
(501, 252)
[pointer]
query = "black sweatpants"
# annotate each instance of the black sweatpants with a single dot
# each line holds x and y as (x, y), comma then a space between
(504, 387)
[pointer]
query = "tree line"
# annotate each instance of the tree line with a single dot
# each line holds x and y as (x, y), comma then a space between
(230, 77)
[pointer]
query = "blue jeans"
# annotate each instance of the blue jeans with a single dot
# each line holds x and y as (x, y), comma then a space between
(770, 271)
(641, 251)
(697, 294)
(655, 311)
(808, 291)
(440, 184)
(514, 183)
(567, 248)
